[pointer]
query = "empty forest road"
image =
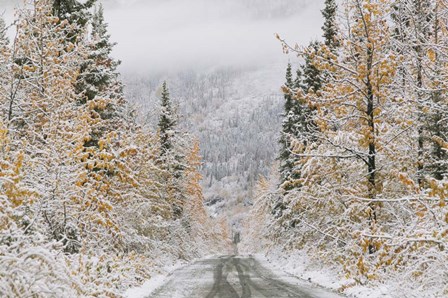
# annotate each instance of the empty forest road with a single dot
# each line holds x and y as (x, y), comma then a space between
(234, 277)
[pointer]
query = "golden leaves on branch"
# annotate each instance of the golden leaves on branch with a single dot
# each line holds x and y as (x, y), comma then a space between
(431, 55)
(438, 189)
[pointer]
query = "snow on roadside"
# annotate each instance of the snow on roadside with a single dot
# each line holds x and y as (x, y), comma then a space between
(295, 268)
(299, 265)
(158, 280)
(147, 288)
(154, 283)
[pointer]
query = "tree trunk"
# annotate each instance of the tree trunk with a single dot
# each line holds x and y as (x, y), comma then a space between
(372, 148)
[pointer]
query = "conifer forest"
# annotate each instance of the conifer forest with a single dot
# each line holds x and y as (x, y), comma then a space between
(234, 148)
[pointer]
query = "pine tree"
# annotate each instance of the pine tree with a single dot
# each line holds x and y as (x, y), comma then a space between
(167, 122)
(289, 101)
(292, 130)
(172, 154)
(100, 93)
(286, 163)
(98, 74)
(299, 83)
(75, 12)
(330, 25)
(298, 126)
(312, 77)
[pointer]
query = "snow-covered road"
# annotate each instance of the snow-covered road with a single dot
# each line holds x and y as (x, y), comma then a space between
(234, 277)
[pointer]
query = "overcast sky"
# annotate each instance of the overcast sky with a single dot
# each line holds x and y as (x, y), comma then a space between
(174, 35)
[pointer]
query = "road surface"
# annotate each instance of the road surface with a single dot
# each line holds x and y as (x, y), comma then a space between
(234, 277)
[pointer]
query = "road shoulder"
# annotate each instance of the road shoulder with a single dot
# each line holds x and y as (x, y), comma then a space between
(323, 285)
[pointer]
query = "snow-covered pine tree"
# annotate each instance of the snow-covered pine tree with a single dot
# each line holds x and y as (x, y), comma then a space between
(298, 128)
(312, 77)
(298, 81)
(98, 73)
(167, 122)
(98, 81)
(330, 26)
(104, 149)
(99, 86)
(286, 157)
(172, 154)
(75, 12)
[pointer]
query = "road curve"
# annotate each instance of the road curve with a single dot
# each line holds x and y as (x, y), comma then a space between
(234, 277)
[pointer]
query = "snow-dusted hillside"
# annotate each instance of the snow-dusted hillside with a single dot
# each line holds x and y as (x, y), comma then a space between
(227, 110)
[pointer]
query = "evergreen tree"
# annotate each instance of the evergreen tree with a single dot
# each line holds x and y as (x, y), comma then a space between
(312, 77)
(297, 128)
(99, 87)
(98, 73)
(330, 26)
(286, 157)
(289, 101)
(305, 128)
(172, 156)
(298, 81)
(75, 12)
(167, 122)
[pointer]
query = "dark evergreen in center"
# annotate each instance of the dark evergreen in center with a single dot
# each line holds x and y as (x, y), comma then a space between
(167, 122)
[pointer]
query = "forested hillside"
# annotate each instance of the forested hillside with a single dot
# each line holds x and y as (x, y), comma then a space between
(234, 121)
(231, 102)
(363, 176)
(91, 202)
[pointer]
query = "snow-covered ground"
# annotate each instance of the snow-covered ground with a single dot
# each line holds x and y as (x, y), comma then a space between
(298, 266)
(155, 282)
(301, 266)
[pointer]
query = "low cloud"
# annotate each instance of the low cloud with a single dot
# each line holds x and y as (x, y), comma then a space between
(160, 36)
(174, 35)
